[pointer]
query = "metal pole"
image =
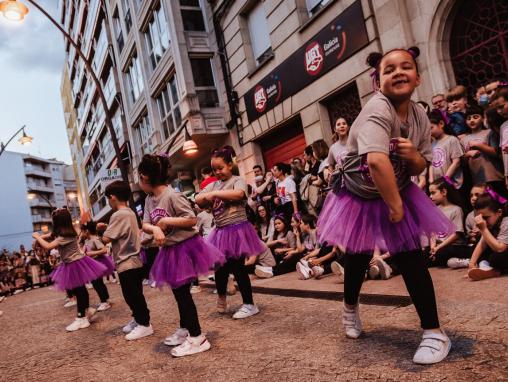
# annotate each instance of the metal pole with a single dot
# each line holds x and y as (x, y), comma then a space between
(108, 119)
(3, 147)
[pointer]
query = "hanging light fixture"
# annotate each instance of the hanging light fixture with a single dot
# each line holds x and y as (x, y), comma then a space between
(25, 140)
(189, 146)
(13, 10)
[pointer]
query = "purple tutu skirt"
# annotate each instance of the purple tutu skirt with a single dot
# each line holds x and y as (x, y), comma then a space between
(77, 273)
(107, 261)
(179, 264)
(237, 240)
(360, 225)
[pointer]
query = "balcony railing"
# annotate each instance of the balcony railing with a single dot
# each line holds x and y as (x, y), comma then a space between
(37, 172)
(42, 188)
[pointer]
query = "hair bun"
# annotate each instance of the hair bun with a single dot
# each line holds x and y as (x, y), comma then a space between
(414, 51)
(373, 59)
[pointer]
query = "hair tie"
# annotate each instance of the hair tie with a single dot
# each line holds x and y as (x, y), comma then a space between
(279, 216)
(412, 53)
(448, 180)
(494, 195)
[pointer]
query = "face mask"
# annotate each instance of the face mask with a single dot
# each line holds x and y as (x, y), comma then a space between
(484, 100)
(259, 178)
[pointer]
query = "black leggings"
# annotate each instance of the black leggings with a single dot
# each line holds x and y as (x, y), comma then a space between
(412, 265)
(442, 256)
(237, 268)
(498, 261)
(187, 309)
(131, 282)
(82, 300)
(101, 289)
(151, 254)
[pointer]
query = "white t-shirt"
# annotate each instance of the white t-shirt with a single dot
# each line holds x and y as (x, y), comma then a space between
(285, 188)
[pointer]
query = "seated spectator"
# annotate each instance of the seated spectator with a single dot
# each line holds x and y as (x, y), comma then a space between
(444, 247)
(500, 102)
(317, 262)
(439, 103)
(490, 257)
(457, 105)
(446, 152)
(479, 155)
(381, 266)
(208, 177)
(264, 193)
(264, 224)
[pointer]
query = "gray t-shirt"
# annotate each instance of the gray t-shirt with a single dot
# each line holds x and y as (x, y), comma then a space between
(470, 223)
(170, 204)
(290, 240)
(456, 216)
(205, 223)
(374, 130)
(228, 212)
(502, 236)
(69, 249)
(503, 141)
(336, 154)
(310, 240)
(125, 240)
(93, 244)
(482, 168)
(444, 151)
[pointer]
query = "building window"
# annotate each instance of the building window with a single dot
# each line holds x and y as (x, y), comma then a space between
(127, 18)
(144, 133)
(259, 36)
(157, 36)
(135, 79)
(314, 6)
(192, 16)
(118, 32)
(168, 103)
(204, 82)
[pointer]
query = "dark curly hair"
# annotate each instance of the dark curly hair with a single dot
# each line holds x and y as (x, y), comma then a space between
(155, 168)
(227, 153)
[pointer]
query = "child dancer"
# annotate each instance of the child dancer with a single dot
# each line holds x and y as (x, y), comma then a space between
(183, 256)
(233, 234)
(76, 269)
(123, 234)
(490, 256)
(94, 248)
(338, 150)
(375, 204)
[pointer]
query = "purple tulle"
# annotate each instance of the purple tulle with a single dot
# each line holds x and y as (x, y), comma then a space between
(182, 263)
(237, 240)
(108, 262)
(142, 255)
(77, 273)
(360, 225)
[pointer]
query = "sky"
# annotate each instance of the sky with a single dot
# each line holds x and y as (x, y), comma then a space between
(31, 60)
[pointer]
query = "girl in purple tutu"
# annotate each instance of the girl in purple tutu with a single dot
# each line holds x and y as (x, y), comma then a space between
(76, 269)
(375, 204)
(233, 235)
(183, 256)
(94, 248)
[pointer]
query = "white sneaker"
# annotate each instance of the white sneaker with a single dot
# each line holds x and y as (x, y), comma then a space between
(485, 265)
(263, 272)
(246, 310)
(89, 286)
(351, 321)
(317, 271)
(2, 298)
(231, 289)
(456, 263)
(78, 323)
(103, 306)
(17, 291)
(70, 303)
(338, 270)
(433, 348)
(29, 288)
(138, 332)
(195, 289)
(114, 281)
(385, 271)
(177, 338)
(191, 345)
(146, 282)
(130, 326)
(373, 272)
(302, 271)
(153, 284)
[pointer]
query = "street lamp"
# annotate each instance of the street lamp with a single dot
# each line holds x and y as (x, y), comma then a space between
(25, 140)
(189, 146)
(13, 10)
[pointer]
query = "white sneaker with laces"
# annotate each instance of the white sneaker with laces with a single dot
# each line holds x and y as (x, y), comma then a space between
(138, 332)
(153, 284)
(317, 271)
(191, 345)
(18, 291)
(485, 265)
(338, 270)
(195, 289)
(302, 271)
(130, 326)
(373, 272)
(103, 306)
(78, 323)
(433, 348)
(263, 272)
(246, 310)
(351, 321)
(70, 303)
(177, 338)
(456, 263)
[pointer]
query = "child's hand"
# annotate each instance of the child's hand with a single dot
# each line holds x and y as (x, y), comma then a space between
(163, 224)
(396, 214)
(279, 251)
(313, 262)
(102, 226)
(480, 222)
(158, 236)
(36, 235)
(405, 149)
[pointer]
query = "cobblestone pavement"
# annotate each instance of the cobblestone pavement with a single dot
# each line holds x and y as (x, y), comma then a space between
(292, 339)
